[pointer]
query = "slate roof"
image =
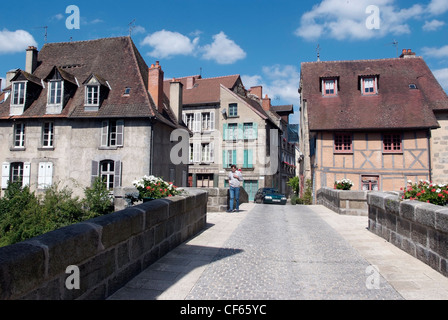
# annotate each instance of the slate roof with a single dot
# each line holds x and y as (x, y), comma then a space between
(396, 106)
(115, 60)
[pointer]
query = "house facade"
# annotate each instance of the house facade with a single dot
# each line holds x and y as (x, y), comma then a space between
(370, 121)
(231, 125)
(88, 109)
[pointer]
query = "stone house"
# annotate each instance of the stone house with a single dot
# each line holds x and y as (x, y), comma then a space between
(232, 125)
(87, 109)
(375, 122)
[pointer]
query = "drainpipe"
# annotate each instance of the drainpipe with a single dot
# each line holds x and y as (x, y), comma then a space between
(429, 155)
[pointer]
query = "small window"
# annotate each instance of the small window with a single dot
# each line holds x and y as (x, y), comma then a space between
(392, 143)
(19, 135)
(127, 91)
(233, 110)
(413, 86)
(93, 96)
(369, 86)
(107, 173)
(343, 143)
(112, 133)
(18, 93)
(55, 92)
(370, 183)
(47, 135)
(329, 87)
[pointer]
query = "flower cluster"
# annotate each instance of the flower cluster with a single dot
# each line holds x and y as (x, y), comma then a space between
(426, 191)
(344, 184)
(155, 188)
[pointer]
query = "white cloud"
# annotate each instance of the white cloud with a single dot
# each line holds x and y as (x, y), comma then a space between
(15, 41)
(436, 52)
(343, 19)
(280, 83)
(223, 50)
(437, 7)
(168, 43)
(442, 76)
(433, 25)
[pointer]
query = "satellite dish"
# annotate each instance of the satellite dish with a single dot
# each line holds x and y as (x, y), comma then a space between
(224, 111)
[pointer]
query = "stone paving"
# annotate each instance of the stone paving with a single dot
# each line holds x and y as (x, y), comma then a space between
(268, 252)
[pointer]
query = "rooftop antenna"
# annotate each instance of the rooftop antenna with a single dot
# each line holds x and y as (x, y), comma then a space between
(131, 27)
(394, 43)
(46, 32)
(318, 52)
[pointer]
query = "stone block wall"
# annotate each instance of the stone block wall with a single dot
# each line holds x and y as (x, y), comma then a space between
(420, 229)
(109, 250)
(218, 199)
(343, 201)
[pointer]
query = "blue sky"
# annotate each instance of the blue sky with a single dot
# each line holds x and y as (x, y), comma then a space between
(263, 41)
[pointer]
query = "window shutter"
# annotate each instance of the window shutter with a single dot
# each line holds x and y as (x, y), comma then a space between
(45, 175)
(117, 176)
(120, 132)
(224, 159)
(240, 134)
(5, 174)
(234, 157)
(212, 120)
(184, 118)
(246, 158)
(95, 169)
(196, 152)
(255, 128)
(197, 122)
(26, 174)
(225, 132)
(212, 152)
(250, 158)
(104, 133)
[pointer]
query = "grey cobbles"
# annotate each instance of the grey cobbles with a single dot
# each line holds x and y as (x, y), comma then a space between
(287, 253)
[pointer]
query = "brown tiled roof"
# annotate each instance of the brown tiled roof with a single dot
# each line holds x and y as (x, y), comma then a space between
(115, 60)
(204, 91)
(396, 106)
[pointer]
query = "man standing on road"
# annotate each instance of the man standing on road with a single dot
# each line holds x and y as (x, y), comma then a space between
(235, 179)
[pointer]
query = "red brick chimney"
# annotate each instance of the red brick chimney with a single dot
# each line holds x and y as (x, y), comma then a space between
(258, 91)
(266, 103)
(407, 53)
(155, 85)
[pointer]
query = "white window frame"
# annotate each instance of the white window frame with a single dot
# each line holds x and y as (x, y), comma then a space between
(207, 153)
(91, 97)
(329, 84)
(55, 92)
(48, 137)
(17, 85)
(19, 136)
(24, 173)
(112, 139)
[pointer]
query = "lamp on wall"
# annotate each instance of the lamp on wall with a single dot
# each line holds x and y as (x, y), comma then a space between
(224, 113)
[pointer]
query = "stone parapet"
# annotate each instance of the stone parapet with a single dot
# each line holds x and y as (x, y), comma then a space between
(108, 251)
(343, 201)
(418, 228)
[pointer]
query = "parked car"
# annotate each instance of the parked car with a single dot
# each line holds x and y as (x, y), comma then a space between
(270, 196)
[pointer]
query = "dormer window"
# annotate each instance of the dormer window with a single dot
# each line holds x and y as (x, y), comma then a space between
(96, 90)
(55, 90)
(93, 95)
(330, 87)
(369, 85)
(18, 93)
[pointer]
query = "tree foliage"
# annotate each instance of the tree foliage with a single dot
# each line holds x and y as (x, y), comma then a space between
(23, 215)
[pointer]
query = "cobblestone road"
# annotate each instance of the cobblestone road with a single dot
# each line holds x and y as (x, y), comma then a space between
(281, 252)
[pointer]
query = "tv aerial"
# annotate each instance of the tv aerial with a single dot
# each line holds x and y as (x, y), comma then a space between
(46, 32)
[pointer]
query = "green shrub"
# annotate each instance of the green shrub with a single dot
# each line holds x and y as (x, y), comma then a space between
(23, 215)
